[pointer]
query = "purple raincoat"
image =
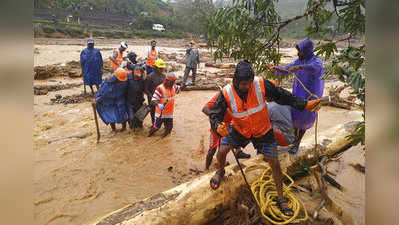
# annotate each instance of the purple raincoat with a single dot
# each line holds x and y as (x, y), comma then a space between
(312, 70)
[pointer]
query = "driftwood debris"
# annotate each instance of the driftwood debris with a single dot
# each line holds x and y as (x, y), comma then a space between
(195, 203)
(220, 65)
(43, 89)
(80, 136)
(70, 69)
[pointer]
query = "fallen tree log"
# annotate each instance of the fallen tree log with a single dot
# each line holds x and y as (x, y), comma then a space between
(201, 87)
(43, 89)
(195, 203)
(220, 65)
(329, 101)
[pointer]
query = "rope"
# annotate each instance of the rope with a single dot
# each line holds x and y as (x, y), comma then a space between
(317, 115)
(265, 193)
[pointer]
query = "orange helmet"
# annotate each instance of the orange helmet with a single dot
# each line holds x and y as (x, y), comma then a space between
(121, 74)
(192, 42)
(274, 82)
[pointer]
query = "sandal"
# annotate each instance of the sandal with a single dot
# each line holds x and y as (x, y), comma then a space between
(215, 180)
(285, 210)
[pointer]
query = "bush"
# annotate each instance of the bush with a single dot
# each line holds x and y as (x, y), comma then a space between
(128, 34)
(62, 30)
(48, 29)
(74, 31)
(98, 33)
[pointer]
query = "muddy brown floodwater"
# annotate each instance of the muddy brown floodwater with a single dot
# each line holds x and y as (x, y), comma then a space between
(77, 180)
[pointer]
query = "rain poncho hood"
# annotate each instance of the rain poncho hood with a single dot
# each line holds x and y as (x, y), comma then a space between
(312, 70)
(112, 108)
(92, 63)
(306, 47)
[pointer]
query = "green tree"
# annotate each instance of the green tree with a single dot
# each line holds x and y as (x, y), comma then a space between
(251, 29)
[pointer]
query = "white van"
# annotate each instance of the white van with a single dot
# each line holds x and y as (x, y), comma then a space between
(158, 27)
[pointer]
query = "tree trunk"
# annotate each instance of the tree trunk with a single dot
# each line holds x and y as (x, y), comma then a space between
(195, 203)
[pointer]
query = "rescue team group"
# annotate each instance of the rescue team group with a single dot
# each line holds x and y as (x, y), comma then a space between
(250, 109)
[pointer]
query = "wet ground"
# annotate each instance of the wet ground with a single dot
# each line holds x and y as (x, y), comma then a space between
(77, 180)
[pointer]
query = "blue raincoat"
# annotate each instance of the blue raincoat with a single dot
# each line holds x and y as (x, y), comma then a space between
(112, 108)
(91, 62)
(312, 70)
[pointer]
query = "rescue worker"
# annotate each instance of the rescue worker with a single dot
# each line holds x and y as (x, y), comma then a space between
(111, 99)
(152, 56)
(91, 62)
(132, 63)
(135, 91)
(132, 56)
(214, 139)
(192, 62)
(152, 81)
(117, 56)
(164, 101)
(245, 99)
(308, 68)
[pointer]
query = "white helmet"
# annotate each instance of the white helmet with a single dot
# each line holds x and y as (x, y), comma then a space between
(124, 45)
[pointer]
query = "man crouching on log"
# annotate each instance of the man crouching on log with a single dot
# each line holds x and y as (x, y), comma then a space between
(245, 100)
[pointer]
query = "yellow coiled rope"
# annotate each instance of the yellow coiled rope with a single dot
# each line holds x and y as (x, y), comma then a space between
(265, 193)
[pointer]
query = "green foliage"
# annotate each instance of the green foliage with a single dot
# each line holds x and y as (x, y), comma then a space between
(128, 34)
(42, 21)
(244, 31)
(48, 29)
(186, 15)
(74, 31)
(241, 33)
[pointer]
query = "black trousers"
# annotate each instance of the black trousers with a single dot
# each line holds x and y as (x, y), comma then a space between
(187, 72)
(152, 111)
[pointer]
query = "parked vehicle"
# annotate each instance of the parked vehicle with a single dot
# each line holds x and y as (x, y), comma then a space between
(158, 27)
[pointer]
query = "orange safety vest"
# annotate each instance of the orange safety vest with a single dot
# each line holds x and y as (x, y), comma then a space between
(118, 59)
(166, 94)
(135, 72)
(250, 118)
(152, 57)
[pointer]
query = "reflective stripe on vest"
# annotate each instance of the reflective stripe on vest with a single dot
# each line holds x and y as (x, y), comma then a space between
(250, 118)
(118, 59)
(258, 92)
(167, 116)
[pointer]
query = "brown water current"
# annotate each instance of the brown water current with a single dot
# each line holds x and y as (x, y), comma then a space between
(77, 180)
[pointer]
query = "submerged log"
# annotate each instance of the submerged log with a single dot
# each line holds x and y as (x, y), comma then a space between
(195, 203)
